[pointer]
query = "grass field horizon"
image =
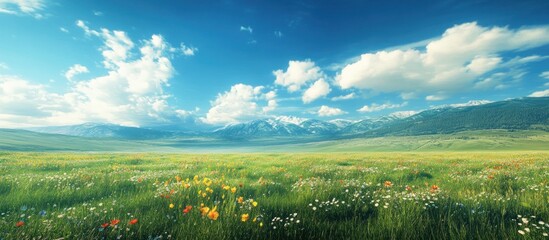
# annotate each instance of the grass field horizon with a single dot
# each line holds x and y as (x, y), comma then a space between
(436, 195)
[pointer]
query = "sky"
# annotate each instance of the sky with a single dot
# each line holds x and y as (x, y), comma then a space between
(190, 63)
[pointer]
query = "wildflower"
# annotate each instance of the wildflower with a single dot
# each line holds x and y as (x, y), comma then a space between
(434, 188)
(245, 217)
(187, 209)
(213, 215)
(104, 225)
(42, 213)
(204, 210)
(254, 203)
(20, 224)
(187, 185)
(388, 184)
(408, 188)
(226, 188)
(171, 205)
(133, 221)
(207, 181)
(178, 178)
(261, 224)
(240, 200)
(115, 222)
(233, 189)
(521, 232)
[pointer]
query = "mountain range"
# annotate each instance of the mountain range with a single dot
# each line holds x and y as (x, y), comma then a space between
(513, 114)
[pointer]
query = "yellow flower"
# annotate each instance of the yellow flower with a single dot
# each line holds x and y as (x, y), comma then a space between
(245, 217)
(261, 224)
(213, 215)
(187, 185)
(226, 188)
(233, 190)
(207, 181)
(178, 178)
(204, 210)
(254, 203)
(204, 195)
(171, 205)
(240, 200)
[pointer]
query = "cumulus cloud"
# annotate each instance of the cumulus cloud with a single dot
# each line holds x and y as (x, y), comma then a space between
(451, 63)
(325, 111)
(297, 74)
(22, 7)
(188, 51)
(378, 107)
(545, 75)
(131, 93)
(241, 103)
(246, 29)
(75, 70)
(344, 97)
(319, 89)
(544, 93)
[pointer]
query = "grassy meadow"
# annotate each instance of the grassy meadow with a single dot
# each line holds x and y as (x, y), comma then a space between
(424, 195)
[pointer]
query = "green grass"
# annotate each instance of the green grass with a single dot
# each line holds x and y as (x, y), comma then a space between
(480, 195)
(486, 140)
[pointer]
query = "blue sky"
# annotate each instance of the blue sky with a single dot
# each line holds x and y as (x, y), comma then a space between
(146, 63)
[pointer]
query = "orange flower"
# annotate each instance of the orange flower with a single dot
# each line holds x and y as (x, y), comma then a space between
(213, 215)
(434, 188)
(20, 224)
(204, 210)
(408, 188)
(104, 225)
(245, 217)
(240, 200)
(115, 222)
(233, 190)
(388, 184)
(490, 176)
(187, 185)
(178, 178)
(133, 221)
(187, 209)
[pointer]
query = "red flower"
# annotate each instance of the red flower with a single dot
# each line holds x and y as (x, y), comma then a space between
(104, 225)
(187, 209)
(133, 221)
(115, 222)
(20, 224)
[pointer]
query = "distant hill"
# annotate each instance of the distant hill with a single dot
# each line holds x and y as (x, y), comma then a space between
(96, 130)
(515, 114)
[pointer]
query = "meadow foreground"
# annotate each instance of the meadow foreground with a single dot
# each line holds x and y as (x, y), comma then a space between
(275, 196)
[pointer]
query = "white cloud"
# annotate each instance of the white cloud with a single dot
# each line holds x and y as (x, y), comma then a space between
(451, 63)
(75, 70)
(319, 89)
(62, 29)
(188, 51)
(544, 93)
(297, 74)
(325, 111)
(97, 13)
(344, 97)
(545, 75)
(22, 7)
(278, 34)
(438, 97)
(246, 29)
(132, 92)
(240, 103)
(378, 107)
(3, 66)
